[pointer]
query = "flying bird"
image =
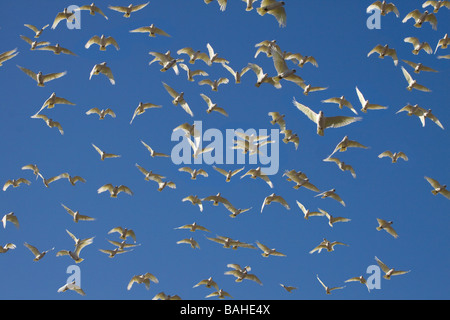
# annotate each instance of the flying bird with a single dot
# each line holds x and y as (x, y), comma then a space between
(389, 271)
(437, 5)
(384, 51)
(191, 241)
(50, 122)
(142, 278)
(307, 213)
(328, 245)
(322, 122)
(291, 137)
(213, 106)
(192, 73)
(220, 293)
(419, 67)
(417, 45)
(53, 100)
(104, 155)
(76, 215)
(34, 44)
(56, 49)
(274, 198)
(301, 60)
(41, 78)
(153, 153)
(38, 255)
(228, 174)
(262, 77)
(64, 15)
(101, 113)
(237, 74)
(152, 31)
(103, 69)
(288, 288)
(10, 217)
(412, 83)
(266, 251)
(331, 219)
(278, 118)
(222, 4)
(214, 56)
(359, 279)
(307, 88)
(37, 31)
(193, 227)
(73, 287)
(195, 55)
(124, 233)
(341, 101)
(114, 190)
(328, 289)
(443, 43)
(214, 84)
(341, 165)
(178, 99)
(394, 156)
(129, 9)
(366, 105)
(257, 173)
(194, 172)
(387, 226)
(194, 200)
(384, 8)
(346, 143)
(15, 183)
(331, 194)
(7, 247)
(142, 107)
(102, 42)
(34, 168)
(274, 8)
(5, 56)
(438, 188)
(93, 9)
(420, 18)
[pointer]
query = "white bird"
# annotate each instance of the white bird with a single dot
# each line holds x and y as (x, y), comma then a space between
(152, 31)
(113, 252)
(366, 105)
(417, 45)
(50, 180)
(341, 101)
(443, 43)
(114, 190)
(332, 220)
(195, 55)
(291, 137)
(323, 122)
(249, 4)
(421, 18)
(92, 8)
(79, 245)
(257, 173)
(38, 255)
(427, 114)
(389, 271)
(384, 8)
(34, 44)
(228, 174)
(193, 227)
(269, 251)
(301, 60)
(307, 213)
(278, 118)
(342, 165)
(41, 78)
(56, 49)
(194, 172)
(178, 99)
(7, 247)
(153, 153)
(53, 100)
(216, 199)
(438, 188)
(384, 51)
(419, 67)
(274, 8)
(214, 56)
(129, 9)
(196, 149)
(142, 107)
(163, 296)
(102, 42)
(15, 183)
(50, 122)
(191, 241)
(142, 278)
(437, 4)
(237, 74)
(359, 279)
(328, 245)
(283, 71)
(243, 274)
(37, 31)
(394, 156)
(101, 113)
(104, 155)
(331, 194)
(104, 69)
(288, 288)
(5, 56)
(72, 286)
(214, 84)
(194, 200)
(222, 3)
(307, 88)
(124, 233)
(412, 83)
(387, 226)
(64, 15)
(33, 167)
(346, 143)
(234, 211)
(328, 289)
(213, 106)
(220, 293)
(262, 77)
(192, 73)
(266, 46)
(163, 184)
(76, 215)
(274, 198)
(11, 217)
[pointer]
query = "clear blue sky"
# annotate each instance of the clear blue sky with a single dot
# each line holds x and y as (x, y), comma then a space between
(335, 33)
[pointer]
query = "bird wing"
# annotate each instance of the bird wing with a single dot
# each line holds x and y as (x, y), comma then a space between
(107, 187)
(307, 111)
(33, 249)
(139, 7)
(111, 40)
(386, 153)
(170, 90)
(125, 189)
(340, 121)
(382, 265)
(28, 72)
(52, 76)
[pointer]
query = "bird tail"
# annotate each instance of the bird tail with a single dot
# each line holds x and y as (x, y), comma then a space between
(261, 11)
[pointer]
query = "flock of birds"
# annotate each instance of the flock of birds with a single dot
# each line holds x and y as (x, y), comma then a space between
(285, 64)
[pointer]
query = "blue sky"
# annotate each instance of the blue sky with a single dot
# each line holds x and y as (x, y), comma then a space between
(337, 36)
